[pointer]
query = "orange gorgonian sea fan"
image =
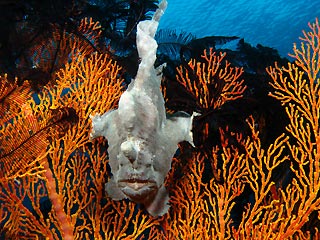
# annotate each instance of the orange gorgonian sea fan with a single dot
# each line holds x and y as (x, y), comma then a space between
(213, 81)
(73, 170)
(49, 153)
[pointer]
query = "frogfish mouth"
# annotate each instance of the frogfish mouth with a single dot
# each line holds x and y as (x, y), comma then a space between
(141, 139)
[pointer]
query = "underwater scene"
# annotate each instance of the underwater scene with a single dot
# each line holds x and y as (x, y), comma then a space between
(147, 119)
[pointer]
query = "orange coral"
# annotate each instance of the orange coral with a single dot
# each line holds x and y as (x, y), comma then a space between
(202, 210)
(297, 87)
(216, 81)
(55, 51)
(12, 97)
(25, 131)
(59, 157)
(71, 170)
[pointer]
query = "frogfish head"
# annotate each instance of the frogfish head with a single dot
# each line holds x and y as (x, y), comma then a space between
(136, 176)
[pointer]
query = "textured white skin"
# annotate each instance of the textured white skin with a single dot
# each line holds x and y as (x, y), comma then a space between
(142, 141)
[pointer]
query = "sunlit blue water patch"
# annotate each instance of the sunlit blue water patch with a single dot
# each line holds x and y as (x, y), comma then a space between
(276, 23)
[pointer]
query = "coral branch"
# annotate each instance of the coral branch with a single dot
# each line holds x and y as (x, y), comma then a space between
(212, 82)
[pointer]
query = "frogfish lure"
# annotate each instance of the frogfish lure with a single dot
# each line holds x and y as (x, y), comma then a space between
(142, 141)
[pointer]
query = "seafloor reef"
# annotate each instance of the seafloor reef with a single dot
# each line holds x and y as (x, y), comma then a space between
(254, 169)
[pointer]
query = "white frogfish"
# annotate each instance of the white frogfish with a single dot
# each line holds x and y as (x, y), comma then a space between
(142, 141)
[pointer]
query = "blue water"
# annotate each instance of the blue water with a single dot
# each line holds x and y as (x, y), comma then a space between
(277, 24)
